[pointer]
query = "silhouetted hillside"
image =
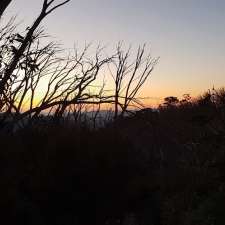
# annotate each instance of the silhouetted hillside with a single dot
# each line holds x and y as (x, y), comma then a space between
(162, 166)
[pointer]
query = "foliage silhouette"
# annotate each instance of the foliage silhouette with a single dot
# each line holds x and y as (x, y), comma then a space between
(157, 167)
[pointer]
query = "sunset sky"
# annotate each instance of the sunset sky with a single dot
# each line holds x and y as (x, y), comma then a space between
(187, 35)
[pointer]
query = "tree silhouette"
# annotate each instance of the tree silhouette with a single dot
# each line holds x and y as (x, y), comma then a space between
(171, 101)
(47, 8)
(25, 64)
(3, 5)
(129, 77)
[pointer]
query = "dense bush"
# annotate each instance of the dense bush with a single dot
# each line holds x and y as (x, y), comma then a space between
(156, 167)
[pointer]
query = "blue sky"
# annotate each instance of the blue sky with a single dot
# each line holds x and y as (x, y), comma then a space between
(188, 35)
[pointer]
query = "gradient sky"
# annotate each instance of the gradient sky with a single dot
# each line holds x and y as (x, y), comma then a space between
(188, 35)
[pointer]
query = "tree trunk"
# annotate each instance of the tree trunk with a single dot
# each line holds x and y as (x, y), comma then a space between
(3, 5)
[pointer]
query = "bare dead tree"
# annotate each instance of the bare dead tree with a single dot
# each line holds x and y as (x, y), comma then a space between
(129, 77)
(68, 80)
(66, 83)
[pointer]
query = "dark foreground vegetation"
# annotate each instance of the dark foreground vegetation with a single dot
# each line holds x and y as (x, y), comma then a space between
(164, 166)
